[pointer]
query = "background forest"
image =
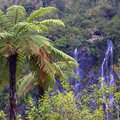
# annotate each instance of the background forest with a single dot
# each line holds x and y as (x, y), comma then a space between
(89, 24)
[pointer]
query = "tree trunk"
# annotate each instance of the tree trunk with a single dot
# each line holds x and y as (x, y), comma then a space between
(40, 90)
(13, 98)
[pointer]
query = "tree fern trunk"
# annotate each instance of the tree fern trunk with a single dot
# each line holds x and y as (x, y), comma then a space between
(13, 99)
(40, 90)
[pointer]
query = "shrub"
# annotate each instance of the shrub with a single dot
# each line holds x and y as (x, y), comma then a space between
(63, 106)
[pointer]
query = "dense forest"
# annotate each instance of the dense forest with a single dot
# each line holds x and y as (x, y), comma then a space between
(59, 60)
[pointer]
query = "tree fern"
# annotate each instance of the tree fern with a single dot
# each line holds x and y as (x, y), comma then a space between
(20, 41)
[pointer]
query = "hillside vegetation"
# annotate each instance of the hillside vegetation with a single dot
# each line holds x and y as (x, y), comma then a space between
(87, 25)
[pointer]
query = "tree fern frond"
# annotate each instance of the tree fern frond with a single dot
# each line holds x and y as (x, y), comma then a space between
(25, 44)
(53, 22)
(15, 14)
(31, 43)
(23, 27)
(62, 56)
(64, 65)
(65, 69)
(59, 53)
(41, 26)
(21, 58)
(41, 13)
(50, 81)
(40, 40)
(4, 72)
(5, 38)
(25, 84)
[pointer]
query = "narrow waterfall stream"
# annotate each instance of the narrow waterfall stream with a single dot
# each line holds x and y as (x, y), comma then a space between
(76, 58)
(77, 84)
(107, 74)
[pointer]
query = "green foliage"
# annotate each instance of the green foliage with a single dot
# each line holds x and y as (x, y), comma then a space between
(95, 53)
(61, 106)
(61, 43)
(2, 116)
(19, 36)
(86, 23)
(88, 106)
(83, 19)
(22, 39)
(40, 13)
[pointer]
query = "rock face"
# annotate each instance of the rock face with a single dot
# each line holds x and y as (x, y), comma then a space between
(84, 71)
(89, 73)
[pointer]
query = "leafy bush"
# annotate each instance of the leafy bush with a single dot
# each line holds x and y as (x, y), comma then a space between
(89, 105)
(2, 115)
(62, 42)
(62, 106)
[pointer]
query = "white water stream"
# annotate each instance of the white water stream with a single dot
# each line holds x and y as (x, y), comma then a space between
(77, 84)
(107, 75)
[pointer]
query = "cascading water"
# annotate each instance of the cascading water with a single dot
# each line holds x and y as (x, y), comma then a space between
(76, 58)
(107, 73)
(77, 84)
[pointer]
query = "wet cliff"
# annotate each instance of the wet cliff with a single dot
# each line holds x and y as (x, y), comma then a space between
(89, 72)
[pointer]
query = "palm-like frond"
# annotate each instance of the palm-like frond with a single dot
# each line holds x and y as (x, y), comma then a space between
(25, 84)
(40, 40)
(58, 69)
(59, 55)
(52, 22)
(3, 22)
(69, 72)
(23, 27)
(21, 58)
(4, 72)
(15, 14)
(40, 13)
(5, 43)
(43, 27)
(30, 44)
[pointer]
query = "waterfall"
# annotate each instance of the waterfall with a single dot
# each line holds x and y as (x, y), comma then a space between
(107, 73)
(76, 58)
(77, 84)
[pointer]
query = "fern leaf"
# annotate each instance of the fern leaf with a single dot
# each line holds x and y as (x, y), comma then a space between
(5, 38)
(15, 14)
(23, 27)
(41, 26)
(41, 13)
(4, 72)
(62, 56)
(25, 84)
(53, 22)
